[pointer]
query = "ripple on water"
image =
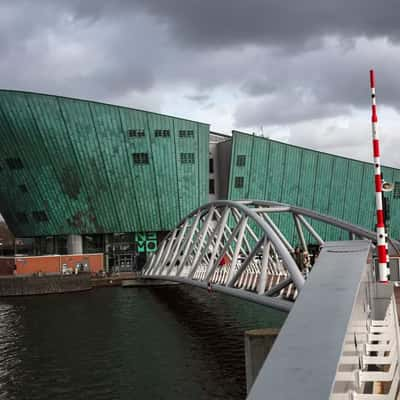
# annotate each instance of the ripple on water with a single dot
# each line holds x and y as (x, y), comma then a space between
(164, 343)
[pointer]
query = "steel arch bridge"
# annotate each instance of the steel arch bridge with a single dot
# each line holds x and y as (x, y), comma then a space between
(235, 247)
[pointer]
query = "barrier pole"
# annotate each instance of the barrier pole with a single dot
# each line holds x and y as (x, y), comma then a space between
(380, 222)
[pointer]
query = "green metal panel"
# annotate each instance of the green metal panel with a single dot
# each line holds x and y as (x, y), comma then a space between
(353, 191)
(143, 196)
(72, 199)
(337, 194)
(203, 140)
(395, 209)
(89, 157)
(117, 164)
(307, 178)
(322, 188)
(258, 164)
(290, 188)
(366, 211)
(164, 160)
(187, 173)
(333, 185)
(26, 147)
(78, 166)
(242, 171)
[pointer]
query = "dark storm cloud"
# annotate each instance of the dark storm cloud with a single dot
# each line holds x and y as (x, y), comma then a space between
(274, 22)
(277, 55)
(232, 22)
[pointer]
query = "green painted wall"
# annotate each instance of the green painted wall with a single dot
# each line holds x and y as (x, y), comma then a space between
(332, 185)
(77, 167)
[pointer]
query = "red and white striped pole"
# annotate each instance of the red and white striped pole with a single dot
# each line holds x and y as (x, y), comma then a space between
(380, 222)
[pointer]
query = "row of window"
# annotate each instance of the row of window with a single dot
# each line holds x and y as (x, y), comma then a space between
(136, 132)
(38, 216)
(160, 133)
(239, 181)
(186, 133)
(14, 163)
(143, 158)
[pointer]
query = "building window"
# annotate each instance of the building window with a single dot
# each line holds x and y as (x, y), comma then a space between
(211, 186)
(239, 181)
(241, 161)
(185, 133)
(140, 158)
(396, 191)
(14, 163)
(22, 217)
(39, 216)
(23, 188)
(211, 165)
(187, 158)
(136, 132)
(161, 133)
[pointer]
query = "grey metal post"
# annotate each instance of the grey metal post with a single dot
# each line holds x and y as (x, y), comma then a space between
(221, 229)
(311, 230)
(241, 269)
(277, 288)
(262, 282)
(154, 260)
(278, 232)
(168, 250)
(300, 232)
(177, 246)
(238, 247)
(225, 248)
(202, 237)
(188, 242)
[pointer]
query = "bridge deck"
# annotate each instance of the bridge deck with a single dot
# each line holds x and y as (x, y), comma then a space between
(305, 354)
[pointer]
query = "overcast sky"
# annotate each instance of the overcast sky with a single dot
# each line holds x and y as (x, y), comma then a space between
(295, 71)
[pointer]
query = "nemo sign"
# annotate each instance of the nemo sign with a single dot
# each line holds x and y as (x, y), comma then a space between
(146, 242)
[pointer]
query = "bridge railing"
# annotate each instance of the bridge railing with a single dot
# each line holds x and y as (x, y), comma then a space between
(239, 245)
(341, 339)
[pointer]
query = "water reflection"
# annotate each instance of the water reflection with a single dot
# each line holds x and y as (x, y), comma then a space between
(161, 343)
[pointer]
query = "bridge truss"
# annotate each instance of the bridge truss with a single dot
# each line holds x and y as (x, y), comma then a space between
(237, 247)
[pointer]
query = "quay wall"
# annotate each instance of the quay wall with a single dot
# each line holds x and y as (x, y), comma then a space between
(47, 284)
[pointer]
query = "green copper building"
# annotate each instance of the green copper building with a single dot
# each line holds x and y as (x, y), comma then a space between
(82, 176)
(70, 167)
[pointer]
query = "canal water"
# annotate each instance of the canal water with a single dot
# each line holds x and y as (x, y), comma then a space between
(133, 343)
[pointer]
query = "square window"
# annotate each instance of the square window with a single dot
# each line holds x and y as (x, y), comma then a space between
(14, 163)
(40, 216)
(140, 158)
(211, 186)
(22, 217)
(187, 158)
(136, 132)
(186, 133)
(396, 190)
(241, 161)
(161, 133)
(211, 165)
(239, 181)
(23, 188)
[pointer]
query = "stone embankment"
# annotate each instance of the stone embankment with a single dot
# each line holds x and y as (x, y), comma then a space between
(33, 285)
